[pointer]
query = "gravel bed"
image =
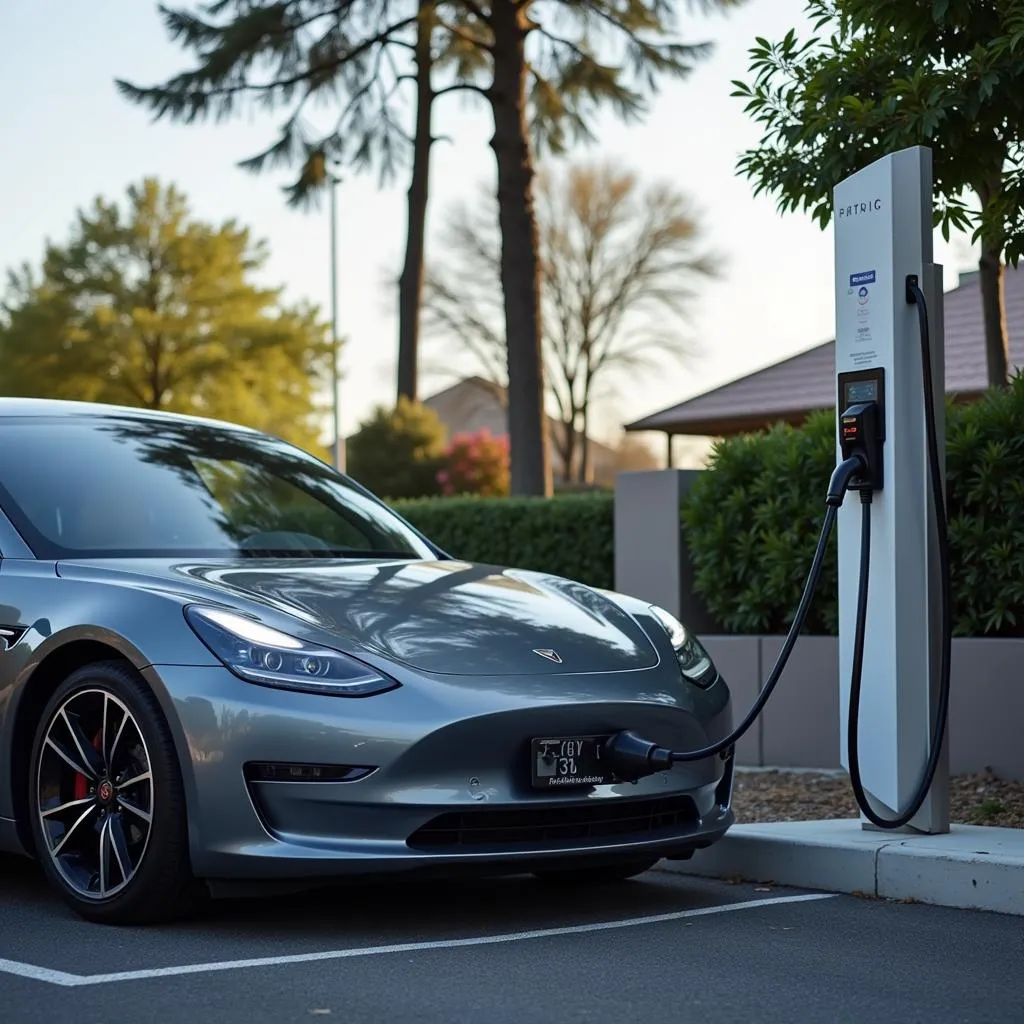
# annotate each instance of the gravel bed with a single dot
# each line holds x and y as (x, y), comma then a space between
(781, 795)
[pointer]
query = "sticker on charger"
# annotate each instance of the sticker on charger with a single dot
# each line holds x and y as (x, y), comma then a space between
(864, 277)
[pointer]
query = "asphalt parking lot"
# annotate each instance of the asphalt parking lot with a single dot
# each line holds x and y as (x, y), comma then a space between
(662, 947)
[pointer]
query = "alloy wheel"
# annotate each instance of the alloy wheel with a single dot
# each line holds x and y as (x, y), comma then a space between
(95, 793)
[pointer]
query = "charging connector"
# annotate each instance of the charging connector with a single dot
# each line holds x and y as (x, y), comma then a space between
(843, 476)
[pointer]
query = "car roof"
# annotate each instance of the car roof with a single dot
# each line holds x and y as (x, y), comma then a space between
(38, 407)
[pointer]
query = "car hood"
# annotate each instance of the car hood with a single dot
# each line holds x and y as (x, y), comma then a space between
(445, 617)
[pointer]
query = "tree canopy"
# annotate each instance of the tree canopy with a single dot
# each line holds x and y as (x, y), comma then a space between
(397, 452)
(146, 306)
(881, 75)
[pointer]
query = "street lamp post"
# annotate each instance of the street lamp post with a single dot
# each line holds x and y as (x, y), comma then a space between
(339, 444)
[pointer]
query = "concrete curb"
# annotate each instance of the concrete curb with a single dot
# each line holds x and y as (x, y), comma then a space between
(973, 867)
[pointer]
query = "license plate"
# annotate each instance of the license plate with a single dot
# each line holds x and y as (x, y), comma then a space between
(561, 762)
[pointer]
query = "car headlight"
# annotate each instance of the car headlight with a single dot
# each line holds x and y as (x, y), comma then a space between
(259, 654)
(694, 661)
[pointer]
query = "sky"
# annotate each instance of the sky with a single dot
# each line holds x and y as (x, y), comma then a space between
(66, 136)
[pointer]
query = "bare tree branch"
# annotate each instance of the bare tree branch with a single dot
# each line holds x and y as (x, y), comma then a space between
(464, 87)
(620, 267)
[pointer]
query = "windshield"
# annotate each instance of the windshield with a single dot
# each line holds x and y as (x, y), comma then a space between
(98, 487)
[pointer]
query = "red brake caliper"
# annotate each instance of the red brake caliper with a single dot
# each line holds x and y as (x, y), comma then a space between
(81, 783)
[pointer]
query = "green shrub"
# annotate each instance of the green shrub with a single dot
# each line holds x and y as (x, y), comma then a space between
(985, 467)
(398, 452)
(753, 519)
(569, 536)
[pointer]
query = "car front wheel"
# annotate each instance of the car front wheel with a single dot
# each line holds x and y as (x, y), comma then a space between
(107, 802)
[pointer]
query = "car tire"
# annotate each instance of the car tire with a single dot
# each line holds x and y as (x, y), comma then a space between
(112, 840)
(597, 874)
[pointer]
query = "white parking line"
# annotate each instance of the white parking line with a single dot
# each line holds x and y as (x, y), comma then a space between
(52, 977)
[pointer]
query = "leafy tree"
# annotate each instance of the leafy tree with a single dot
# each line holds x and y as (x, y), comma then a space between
(295, 54)
(620, 264)
(948, 74)
(146, 306)
(398, 452)
(558, 58)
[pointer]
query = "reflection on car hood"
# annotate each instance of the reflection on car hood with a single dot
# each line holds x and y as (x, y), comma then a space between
(440, 617)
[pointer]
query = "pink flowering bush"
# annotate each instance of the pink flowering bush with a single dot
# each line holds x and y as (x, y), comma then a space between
(475, 464)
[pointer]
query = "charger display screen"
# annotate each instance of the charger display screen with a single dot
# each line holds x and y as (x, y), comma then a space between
(861, 391)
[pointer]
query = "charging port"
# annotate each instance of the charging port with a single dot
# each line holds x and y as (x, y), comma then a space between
(858, 435)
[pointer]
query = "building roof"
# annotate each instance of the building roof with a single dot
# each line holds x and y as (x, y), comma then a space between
(787, 391)
(474, 383)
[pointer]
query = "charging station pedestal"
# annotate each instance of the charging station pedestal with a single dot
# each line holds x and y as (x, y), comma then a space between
(883, 232)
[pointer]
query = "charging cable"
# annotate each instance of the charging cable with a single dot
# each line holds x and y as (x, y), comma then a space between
(632, 757)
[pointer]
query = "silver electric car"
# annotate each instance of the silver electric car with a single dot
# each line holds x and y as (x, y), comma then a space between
(222, 661)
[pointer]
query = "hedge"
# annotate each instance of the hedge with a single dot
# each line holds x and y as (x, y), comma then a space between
(753, 518)
(571, 535)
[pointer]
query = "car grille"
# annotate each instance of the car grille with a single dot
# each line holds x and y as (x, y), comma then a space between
(551, 826)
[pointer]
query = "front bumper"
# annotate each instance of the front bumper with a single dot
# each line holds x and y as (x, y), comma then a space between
(449, 789)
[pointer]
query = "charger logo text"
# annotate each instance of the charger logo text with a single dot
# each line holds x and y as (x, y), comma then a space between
(855, 209)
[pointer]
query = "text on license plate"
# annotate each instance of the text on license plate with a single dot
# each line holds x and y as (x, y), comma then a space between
(568, 761)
